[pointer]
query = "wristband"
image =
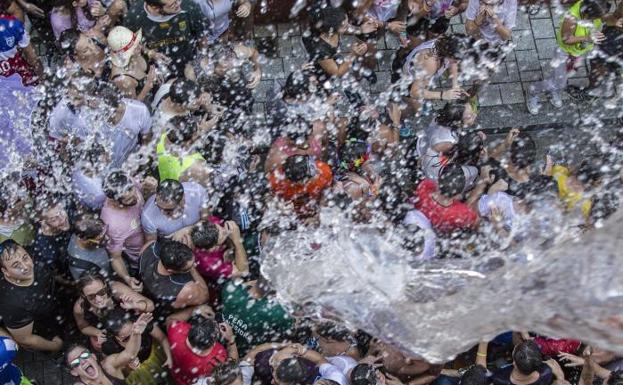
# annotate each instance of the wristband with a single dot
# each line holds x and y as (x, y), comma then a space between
(481, 354)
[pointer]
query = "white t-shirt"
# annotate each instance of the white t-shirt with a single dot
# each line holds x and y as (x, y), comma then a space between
(218, 14)
(331, 372)
(506, 12)
(431, 159)
(503, 202)
(417, 218)
(64, 122)
(135, 121)
(153, 220)
(384, 10)
(343, 363)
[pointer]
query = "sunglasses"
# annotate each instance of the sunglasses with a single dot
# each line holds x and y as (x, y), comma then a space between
(102, 293)
(76, 362)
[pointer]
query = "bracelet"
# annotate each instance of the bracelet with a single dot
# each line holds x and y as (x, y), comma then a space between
(481, 354)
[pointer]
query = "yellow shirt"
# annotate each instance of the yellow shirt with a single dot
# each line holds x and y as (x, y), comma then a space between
(572, 199)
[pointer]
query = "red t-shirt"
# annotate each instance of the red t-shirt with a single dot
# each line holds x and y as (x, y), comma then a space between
(456, 216)
(553, 347)
(187, 366)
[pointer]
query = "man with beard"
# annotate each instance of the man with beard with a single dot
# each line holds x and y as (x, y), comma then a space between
(86, 249)
(28, 301)
(122, 215)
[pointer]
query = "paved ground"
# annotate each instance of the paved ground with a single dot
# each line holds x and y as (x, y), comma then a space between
(502, 100)
(502, 104)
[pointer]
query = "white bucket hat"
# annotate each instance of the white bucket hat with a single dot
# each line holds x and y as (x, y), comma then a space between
(123, 43)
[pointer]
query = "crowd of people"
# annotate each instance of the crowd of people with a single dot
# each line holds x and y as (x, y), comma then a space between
(139, 185)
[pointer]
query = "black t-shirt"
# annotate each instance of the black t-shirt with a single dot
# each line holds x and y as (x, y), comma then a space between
(38, 303)
(319, 50)
(50, 249)
(502, 376)
(176, 37)
(111, 346)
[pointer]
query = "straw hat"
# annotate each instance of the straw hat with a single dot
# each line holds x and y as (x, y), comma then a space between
(123, 43)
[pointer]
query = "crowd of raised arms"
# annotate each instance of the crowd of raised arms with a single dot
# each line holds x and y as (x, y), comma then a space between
(139, 184)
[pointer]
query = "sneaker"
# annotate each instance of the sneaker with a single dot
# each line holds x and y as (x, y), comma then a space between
(556, 99)
(532, 103)
(579, 94)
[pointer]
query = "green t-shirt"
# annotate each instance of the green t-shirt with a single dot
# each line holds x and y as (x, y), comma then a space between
(23, 235)
(176, 37)
(254, 321)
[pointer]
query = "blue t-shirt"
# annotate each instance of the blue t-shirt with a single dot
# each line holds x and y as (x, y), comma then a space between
(9, 373)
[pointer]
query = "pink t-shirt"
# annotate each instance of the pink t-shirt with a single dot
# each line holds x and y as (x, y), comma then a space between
(210, 263)
(124, 228)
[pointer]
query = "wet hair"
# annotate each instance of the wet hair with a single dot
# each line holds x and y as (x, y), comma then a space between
(67, 41)
(88, 277)
(363, 374)
(170, 190)
(88, 227)
(174, 255)
(594, 9)
(291, 371)
(108, 93)
(451, 180)
(205, 235)
(296, 168)
(182, 90)
(181, 129)
(476, 375)
(203, 332)
(527, 357)
(225, 373)
(212, 147)
(468, 149)
(589, 170)
(331, 19)
(8, 248)
(451, 115)
(116, 319)
(69, 349)
(452, 46)
(297, 85)
(333, 331)
(523, 151)
(116, 184)
(154, 3)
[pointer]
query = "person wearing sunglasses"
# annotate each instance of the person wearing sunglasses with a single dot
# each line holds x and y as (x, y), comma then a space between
(153, 359)
(173, 210)
(86, 247)
(99, 296)
(85, 365)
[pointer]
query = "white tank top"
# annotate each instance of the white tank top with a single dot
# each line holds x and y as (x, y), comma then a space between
(384, 9)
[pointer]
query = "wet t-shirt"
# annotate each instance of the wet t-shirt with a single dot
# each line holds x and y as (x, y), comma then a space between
(254, 321)
(319, 50)
(50, 249)
(22, 305)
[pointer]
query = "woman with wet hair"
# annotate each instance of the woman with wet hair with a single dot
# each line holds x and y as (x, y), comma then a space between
(99, 296)
(85, 365)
